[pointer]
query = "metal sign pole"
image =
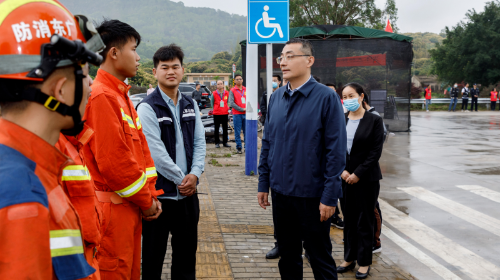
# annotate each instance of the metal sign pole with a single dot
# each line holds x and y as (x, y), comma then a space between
(251, 114)
(269, 71)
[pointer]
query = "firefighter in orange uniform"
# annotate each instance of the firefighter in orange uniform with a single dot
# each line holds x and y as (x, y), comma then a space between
(79, 187)
(44, 89)
(118, 156)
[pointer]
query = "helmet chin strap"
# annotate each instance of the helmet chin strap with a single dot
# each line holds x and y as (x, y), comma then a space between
(49, 102)
(74, 110)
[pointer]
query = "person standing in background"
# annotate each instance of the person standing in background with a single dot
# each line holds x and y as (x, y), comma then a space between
(150, 89)
(237, 100)
(428, 97)
(465, 97)
(474, 92)
(196, 95)
(263, 100)
(493, 99)
(221, 114)
(454, 97)
(360, 180)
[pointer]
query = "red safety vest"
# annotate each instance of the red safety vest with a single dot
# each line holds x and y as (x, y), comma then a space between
(428, 92)
(217, 98)
(238, 94)
(493, 95)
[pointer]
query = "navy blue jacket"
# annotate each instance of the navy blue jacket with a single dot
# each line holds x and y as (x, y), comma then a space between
(167, 127)
(304, 144)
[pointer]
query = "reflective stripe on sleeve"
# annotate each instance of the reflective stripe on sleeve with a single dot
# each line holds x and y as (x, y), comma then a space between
(138, 122)
(133, 188)
(75, 173)
(65, 242)
(189, 115)
(164, 119)
(151, 172)
(127, 118)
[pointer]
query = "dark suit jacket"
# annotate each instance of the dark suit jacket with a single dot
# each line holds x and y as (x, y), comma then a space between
(366, 148)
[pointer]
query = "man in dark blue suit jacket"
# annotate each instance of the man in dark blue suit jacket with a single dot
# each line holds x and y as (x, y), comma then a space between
(303, 155)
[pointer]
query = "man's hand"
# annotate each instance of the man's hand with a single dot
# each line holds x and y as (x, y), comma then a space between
(325, 211)
(188, 185)
(263, 197)
(151, 211)
(345, 175)
(352, 179)
(158, 211)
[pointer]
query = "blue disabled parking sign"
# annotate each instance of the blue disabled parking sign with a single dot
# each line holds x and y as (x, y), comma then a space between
(268, 21)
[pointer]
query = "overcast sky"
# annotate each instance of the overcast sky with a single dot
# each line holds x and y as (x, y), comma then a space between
(414, 16)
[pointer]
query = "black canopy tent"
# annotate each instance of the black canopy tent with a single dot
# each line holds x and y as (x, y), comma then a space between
(378, 60)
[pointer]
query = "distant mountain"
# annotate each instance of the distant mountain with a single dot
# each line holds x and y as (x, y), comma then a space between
(422, 43)
(201, 32)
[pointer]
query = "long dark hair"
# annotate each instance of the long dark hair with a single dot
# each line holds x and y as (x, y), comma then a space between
(360, 90)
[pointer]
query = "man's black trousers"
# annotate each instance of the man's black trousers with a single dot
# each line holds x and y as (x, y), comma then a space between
(464, 104)
(218, 121)
(358, 207)
(297, 219)
(473, 102)
(180, 218)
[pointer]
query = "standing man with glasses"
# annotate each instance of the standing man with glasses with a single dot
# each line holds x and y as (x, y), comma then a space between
(302, 157)
(237, 100)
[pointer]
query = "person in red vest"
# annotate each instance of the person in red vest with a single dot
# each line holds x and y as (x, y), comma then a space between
(428, 97)
(237, 100)
(493, 99)
(221, 114)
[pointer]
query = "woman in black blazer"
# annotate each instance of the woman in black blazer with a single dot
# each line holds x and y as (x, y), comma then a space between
(360, 180)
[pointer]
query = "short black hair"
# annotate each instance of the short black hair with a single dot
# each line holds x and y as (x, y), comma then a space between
(307, 47)
(318, 79)
(168, 53)
(237, 75)
(330, 85)
(277, 77)
(115, 33)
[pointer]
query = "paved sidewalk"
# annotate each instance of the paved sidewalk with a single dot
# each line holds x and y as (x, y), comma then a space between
(235, 233)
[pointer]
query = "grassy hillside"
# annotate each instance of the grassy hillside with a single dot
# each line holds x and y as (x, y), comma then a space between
(201, 32)
(422, 43)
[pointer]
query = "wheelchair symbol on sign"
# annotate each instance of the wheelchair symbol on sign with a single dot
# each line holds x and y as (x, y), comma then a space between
(265, 19)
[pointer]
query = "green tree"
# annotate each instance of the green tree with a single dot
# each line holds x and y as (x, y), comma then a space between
(222, 55)
(341, 12)
(470, 51)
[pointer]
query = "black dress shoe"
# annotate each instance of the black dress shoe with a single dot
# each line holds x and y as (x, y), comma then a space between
(360, 275)
(226, 145)
(217, 145)
(344, 269)
(274, 253)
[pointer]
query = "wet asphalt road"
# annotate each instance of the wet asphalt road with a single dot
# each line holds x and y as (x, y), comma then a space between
(442, 188)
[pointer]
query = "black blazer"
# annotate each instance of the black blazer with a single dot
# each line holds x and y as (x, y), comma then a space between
(366, 148)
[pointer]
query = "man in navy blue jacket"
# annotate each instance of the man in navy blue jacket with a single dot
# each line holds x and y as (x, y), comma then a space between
(303, 155)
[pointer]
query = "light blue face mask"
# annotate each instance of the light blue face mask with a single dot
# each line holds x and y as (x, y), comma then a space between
(351, 104)
(275, 84)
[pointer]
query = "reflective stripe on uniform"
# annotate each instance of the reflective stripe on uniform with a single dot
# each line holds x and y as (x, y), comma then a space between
(189, 115)
(139, 124)
(151, 172)
(164, 119)
(65, 242)
(133, 188)
(75, 173)
(127, 118)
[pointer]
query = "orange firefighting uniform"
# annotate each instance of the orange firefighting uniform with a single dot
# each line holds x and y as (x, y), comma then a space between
(79, 187)
(123, 171)
(40, 233)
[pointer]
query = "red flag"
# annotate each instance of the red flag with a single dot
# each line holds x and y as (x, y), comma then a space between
(388, 28)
